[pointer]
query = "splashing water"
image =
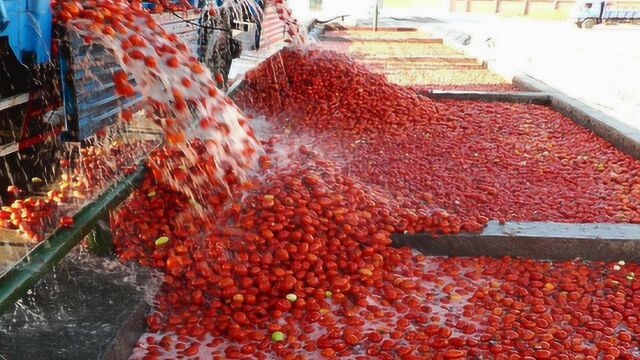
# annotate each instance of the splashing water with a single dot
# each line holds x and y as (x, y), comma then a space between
(298, 38)
(82, 297)
(180, 97)
(179, 92)
(310, 249)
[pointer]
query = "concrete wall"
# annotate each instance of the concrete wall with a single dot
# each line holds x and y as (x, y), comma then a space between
(542, 9)
(546, 9)
(307, 10)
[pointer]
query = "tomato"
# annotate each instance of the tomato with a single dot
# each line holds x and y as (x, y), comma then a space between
(66, 221)
(300, 256)
(172, 62)
(219, 78)
(120, 77)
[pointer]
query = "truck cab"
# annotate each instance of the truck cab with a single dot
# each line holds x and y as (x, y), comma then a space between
(588, 13)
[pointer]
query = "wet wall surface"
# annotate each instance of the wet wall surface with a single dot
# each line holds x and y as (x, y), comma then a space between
(87, 308)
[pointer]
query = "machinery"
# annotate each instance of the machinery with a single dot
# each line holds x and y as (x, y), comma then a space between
(587, 13)
(47, 97)
(219, 40)
(28, 91)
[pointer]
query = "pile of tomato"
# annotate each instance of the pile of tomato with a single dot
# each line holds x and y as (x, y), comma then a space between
(477, 160)
(304, 269)
(83, 176)
(299, 263)
(179, 93)
(296, 261)
(30, 216)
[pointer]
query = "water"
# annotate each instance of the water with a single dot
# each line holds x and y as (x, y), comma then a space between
(75, 311)
(446, 309)
(180, 97)
(179, 93)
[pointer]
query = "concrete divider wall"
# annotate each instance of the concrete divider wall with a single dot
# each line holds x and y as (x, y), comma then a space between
(622, 136)
(535, 240)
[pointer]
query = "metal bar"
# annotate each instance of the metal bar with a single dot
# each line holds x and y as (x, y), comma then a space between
(525, 9)
(69, 99)
(235, 87)
(116, 110)
(9, 148)
(26, 272)
(375, 24)
(25, 143)
(13, 101)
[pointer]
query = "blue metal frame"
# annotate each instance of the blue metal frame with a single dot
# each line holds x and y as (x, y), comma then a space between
(28, 24)
(4, 17)
(621, 13)
(70, 105)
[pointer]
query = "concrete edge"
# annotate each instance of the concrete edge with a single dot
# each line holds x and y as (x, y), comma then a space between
(386, 41)
(127, 336)
(620, 135)
(489, 96)
(528, 83)
(536, 240)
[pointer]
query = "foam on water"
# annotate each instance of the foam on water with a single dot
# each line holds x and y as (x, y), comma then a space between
(445, 309)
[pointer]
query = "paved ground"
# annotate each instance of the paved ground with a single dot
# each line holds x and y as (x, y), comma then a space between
(600, 66)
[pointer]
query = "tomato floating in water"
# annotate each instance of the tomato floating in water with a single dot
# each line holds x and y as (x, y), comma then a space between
(316, 229)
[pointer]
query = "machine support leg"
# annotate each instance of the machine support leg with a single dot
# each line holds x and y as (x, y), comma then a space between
(100, 239)
(375, 17)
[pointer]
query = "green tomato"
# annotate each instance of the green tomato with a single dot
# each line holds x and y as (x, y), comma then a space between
(162, 240)
(277, 336)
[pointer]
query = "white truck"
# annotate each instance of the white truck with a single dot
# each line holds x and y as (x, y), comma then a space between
(587, 13)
